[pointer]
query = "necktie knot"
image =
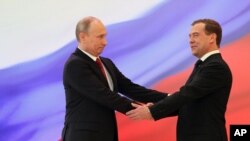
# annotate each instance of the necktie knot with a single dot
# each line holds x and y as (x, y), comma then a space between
(98, 62)
(198, 63)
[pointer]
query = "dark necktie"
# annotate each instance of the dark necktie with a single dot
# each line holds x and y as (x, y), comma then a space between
(196, 68)
(197, 64)
(99, 63)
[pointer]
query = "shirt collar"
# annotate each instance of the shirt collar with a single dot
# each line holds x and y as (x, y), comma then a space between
(91, 56)
(204, 57)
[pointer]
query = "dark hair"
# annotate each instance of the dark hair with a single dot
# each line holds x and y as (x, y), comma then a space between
(211, 26)
(83, 25)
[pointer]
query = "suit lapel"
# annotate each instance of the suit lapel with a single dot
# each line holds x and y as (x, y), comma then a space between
(92, 65)
(196, 70)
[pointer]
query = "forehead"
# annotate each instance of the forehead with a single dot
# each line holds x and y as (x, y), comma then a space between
(97, 27)
(199, 27)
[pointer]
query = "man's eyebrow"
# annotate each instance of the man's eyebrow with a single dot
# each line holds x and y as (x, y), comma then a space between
(193, 33)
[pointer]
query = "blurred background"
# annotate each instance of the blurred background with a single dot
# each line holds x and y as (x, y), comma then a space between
(37, 36)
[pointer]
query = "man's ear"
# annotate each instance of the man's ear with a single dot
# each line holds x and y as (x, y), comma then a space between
(82, 36)
(213, 38)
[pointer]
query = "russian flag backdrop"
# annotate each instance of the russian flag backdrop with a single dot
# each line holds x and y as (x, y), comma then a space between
(36, 37)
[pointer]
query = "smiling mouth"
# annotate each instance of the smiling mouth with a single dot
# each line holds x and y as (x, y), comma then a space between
(193, 47)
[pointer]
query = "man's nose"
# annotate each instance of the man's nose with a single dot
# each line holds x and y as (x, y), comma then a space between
(191, 40)
(105, 42)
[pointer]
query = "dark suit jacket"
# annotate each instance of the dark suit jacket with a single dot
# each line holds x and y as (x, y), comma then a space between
(201, 103)
(90, 104)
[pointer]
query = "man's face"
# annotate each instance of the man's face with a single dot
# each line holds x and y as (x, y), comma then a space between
(95, 40)
(199, 40)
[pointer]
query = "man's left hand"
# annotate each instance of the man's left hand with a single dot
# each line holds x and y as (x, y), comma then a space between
(141, 112)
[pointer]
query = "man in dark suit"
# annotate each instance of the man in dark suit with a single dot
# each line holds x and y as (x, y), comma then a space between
(92, 84)
(201, 103)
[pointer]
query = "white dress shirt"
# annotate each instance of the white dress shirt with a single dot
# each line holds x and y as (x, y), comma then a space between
(205, 56)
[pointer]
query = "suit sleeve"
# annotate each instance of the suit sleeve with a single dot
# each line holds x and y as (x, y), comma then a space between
(135, 91)
(82, 79)
(206, 82)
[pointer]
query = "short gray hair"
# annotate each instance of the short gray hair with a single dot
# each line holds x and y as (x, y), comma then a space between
(84, 24)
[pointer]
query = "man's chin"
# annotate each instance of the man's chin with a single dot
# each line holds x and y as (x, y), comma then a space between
(195, 54)
(100, 51)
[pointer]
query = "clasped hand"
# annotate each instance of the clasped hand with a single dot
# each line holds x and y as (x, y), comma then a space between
(140, 112)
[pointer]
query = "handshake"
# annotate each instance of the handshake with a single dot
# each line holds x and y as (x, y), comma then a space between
(140, 112)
